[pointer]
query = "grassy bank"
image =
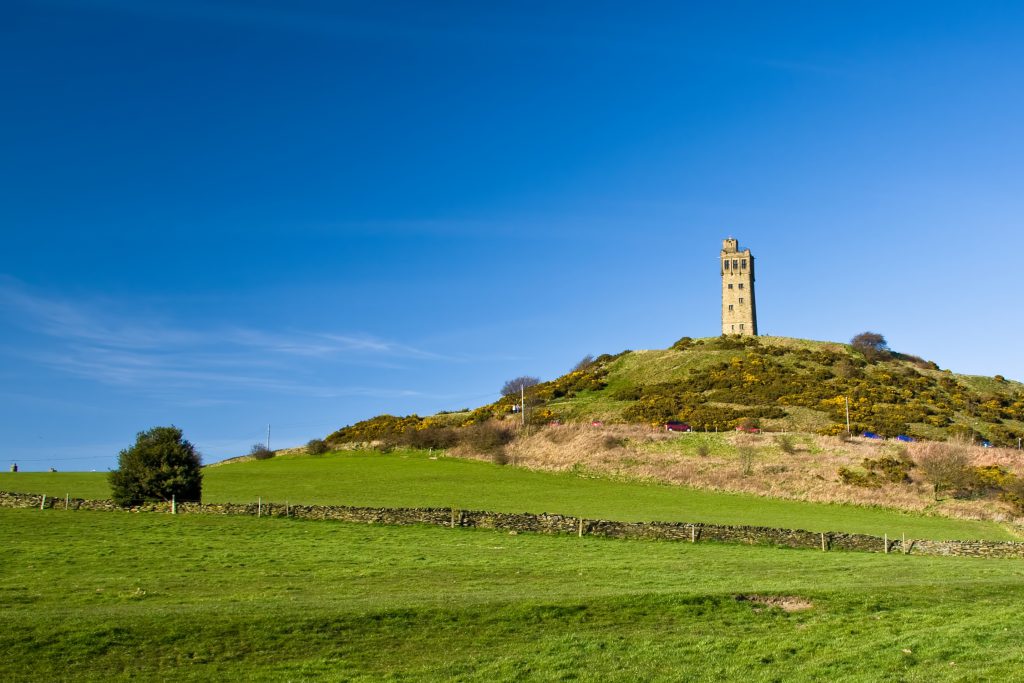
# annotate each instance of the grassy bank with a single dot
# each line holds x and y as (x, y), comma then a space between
(414, 479)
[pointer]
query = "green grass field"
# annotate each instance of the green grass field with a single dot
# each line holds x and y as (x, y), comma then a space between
(413, 479)
(115, 596)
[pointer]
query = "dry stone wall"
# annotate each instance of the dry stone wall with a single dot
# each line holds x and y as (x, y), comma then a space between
(547, 524)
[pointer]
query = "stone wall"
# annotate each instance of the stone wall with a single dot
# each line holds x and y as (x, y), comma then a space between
(548, 524)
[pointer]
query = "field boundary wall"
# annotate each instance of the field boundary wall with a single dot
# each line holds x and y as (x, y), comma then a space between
(690, 532)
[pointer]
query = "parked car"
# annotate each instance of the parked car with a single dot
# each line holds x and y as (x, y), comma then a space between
(748, 430)
(596, 423)
(985, 443)
(905, 438)
(676, 426)
(870, 435)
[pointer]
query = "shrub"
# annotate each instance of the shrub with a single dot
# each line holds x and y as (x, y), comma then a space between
(786, 443)
(628, 393)
(487, 438)
(381, 427)
(316, 447)
(683, 344)
(261, 452)
(1013, 493)
(610, 442)
(747, 455)
(160, 465)
(431, 436)
(854, 477)
(874, 473)
(992, 479)
(703, 449)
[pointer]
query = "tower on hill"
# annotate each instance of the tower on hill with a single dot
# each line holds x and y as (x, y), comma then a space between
(739, 316)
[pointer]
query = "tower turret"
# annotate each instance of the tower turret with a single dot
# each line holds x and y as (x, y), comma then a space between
(739, 315)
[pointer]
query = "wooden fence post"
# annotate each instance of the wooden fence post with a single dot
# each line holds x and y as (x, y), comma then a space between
(67, 500)
(581, 528)
(174, 504)
(259, 507)
(885, 542)
(822, 542)
(42, 503)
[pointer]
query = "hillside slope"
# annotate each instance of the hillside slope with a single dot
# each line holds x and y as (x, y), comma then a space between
(797, 389)
(775, 383)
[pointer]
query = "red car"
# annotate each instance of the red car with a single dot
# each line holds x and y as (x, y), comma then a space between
(749, 430)
(674, 426)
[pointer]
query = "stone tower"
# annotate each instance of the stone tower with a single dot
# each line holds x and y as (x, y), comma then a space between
(739, 316)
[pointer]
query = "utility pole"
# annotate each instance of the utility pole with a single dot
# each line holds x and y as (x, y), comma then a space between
(522, 401)
(847, 414)
(268, 437)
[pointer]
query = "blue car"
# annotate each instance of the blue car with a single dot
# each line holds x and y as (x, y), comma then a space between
(904, 437)
(870, 435)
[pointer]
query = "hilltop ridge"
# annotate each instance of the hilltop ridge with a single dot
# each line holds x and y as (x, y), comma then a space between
(771, 383)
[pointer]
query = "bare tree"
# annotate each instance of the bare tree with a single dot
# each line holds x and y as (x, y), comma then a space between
(946, 465)
(514, 386)
(584, 363)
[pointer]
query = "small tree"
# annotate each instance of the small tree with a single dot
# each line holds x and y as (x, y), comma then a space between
(261, 452)
(872, 345)
(747, 456)
(160, 465)
(316, 447)
(946, 465)
(514, 386)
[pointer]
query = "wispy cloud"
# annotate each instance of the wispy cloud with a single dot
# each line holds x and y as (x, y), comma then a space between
(90, 340)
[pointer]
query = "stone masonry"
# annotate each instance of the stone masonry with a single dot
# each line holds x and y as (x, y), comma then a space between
(739, 315)
(686, 532)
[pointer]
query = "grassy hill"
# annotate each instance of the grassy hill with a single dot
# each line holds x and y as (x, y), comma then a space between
(796, 392)
(776, 383)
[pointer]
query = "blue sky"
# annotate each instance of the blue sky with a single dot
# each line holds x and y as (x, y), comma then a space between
(221, 215)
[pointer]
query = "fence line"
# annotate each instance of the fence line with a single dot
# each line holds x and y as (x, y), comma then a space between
(690, 532)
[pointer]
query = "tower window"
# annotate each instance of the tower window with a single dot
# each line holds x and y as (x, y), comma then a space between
(734, 264)
(743, 263)
(725, 264)
(741, 299)
(730, 285)
(741, 285)
(741, 326)
(730, 307)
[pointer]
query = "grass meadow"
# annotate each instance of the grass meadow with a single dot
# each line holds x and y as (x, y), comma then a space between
(417, 479)
(91, 596)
